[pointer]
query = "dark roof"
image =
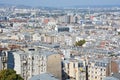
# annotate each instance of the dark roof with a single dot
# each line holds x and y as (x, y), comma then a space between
(116, 75)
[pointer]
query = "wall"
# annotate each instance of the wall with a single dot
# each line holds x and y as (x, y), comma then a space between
(54, 65)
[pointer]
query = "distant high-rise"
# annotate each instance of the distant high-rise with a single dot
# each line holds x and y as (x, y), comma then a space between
(67, 19)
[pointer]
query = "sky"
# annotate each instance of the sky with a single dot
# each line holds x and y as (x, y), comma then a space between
(60, 3)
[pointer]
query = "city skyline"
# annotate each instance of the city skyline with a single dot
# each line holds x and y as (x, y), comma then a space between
(61, 3)
(44, 40)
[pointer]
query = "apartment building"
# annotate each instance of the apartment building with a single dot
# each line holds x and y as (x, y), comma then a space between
(101, 68)
(74, 70)
(32, 62)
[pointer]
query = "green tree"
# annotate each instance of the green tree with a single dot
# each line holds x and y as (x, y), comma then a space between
(118, 33)
(80, 43)
(9, 74)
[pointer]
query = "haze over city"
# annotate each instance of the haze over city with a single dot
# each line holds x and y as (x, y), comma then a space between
(59, 39)
(60, 3)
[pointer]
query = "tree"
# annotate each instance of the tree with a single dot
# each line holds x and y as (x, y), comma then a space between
(80, 43)
(9, 74)
(118, 33)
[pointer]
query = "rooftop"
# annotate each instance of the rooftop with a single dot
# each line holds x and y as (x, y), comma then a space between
(45, 76)
(110, 78)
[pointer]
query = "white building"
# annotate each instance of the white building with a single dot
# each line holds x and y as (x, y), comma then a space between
(74, 69)
(32, 62)
(36, 37)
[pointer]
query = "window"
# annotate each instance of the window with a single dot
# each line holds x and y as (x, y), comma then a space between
(68, 65)
(32, 57)
(81, 65)
(95, 77)
(73, 65)
(44, 69)
(42, 57)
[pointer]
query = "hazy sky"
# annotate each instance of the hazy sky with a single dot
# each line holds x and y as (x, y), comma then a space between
(62, 3)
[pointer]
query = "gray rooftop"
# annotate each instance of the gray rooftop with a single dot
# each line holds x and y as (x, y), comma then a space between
(33, 51)
(45, 76)
(110, 78)
(116, 75)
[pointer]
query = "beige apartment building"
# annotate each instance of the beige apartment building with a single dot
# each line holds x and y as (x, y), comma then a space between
(99, 69)
(74, 69)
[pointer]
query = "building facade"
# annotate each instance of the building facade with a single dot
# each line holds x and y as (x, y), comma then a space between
(32, 62)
